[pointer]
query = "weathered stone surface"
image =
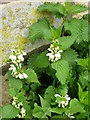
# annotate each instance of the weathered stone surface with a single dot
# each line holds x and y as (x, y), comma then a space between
(15, 18)
(12, 34)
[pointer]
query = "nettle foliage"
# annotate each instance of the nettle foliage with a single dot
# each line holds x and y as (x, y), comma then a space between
(55, 81)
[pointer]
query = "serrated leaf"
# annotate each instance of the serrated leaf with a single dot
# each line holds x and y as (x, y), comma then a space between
(78, 28)
(41, 29)
(75, 107)
(77, 8)
(32, 77)
(70, 55)
(31, 61)
(68, 6)
(12, 92)
(84, 79)
(9, 111)
(15, 83)
(62, 70)
(42, 60)
(21, 97)
(66, 42)
(52, 7)
(82, 62)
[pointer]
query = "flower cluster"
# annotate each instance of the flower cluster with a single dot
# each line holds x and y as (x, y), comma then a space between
(54, 50)
(20, 107)
(16, 67)
(62, 101)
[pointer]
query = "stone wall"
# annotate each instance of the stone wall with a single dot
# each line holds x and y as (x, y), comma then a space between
(15, 18)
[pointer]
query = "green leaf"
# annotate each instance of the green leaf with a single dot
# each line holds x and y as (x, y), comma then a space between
(52, 7)
(84, 79)
(78, 29)
(42, 60)
(70, 55)
(12, 92)
(62, 70)
(57, 110)
(83, 96)
(32, 77)
(66, 42)
(62, 90)
(9, 111)
(44, 103)
(82, 62)
(39, 112)
(77, 8)
(75, 107)
(21, 97)
(41, 29)
(67, 6)
(16, 84)
(32, 60)
(49, 94)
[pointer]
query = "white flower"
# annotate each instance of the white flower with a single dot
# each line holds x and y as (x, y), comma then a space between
(25, 75)
(13, 103)
(19, 116)
(13, 58)
(62, 102)
(13, 68)
(24, 53)
(57, 95)
(70, 115)
(20, 57)
(17, 59)
(67, 97)
(55, 52)
(20, 76)
(23, 110)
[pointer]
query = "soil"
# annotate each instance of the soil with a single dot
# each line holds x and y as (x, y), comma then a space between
(5, 96)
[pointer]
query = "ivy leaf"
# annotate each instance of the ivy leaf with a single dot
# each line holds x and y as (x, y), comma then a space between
(57, 110)
(66, 42)
(52, 7)
(70, 55)
(42, 60)
(44, 103)
(9, 111)
(32, 77)
(77, 8)
(41, 29)
(39, 112)
(49, 94)
(75, 107)
(78, 29)
(62, 70)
